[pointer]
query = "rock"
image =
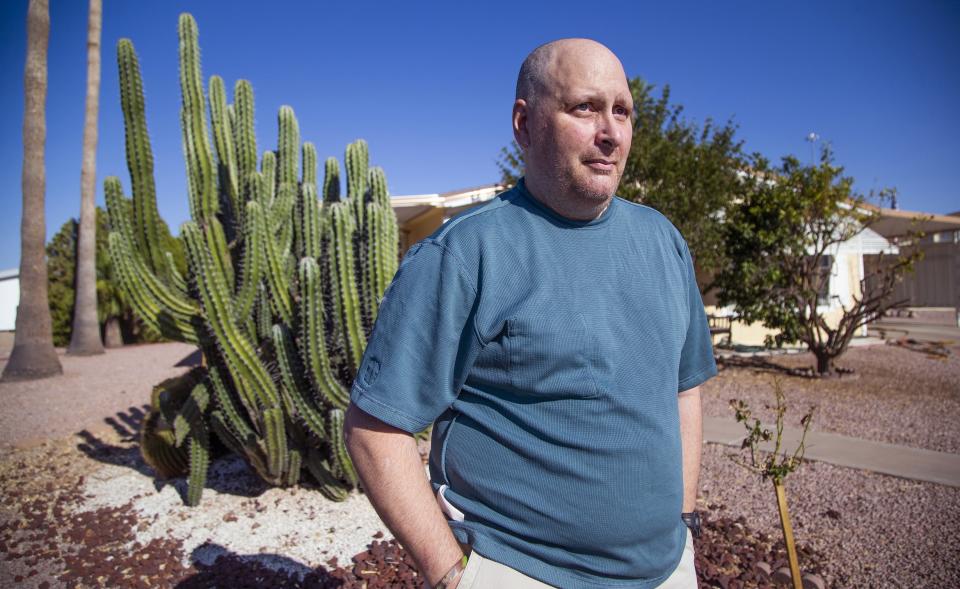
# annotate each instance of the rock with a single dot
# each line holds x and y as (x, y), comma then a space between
(782, 576)
(763, 569)
(811, 581)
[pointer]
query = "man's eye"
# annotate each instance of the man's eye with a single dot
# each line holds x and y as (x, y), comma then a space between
(583, 106)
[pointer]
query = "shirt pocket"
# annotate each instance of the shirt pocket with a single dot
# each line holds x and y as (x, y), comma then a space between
(552, 356)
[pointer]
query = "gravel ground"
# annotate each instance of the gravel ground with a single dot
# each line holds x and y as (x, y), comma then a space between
(84, 511)
(875, 530)
(90, 389)
(894, 395)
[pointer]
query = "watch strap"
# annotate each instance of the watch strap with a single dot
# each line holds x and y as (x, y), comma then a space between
(692, 521)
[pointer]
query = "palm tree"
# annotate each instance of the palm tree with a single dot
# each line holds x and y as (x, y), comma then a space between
(33, 355)
(85, 340)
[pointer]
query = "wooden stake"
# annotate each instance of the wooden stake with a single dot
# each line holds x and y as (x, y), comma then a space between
(788, 534)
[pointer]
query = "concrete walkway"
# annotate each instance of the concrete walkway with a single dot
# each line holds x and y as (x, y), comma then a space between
(901, 461)
(893, 327)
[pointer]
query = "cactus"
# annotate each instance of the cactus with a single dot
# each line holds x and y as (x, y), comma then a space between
(157, 436)
(281, 290)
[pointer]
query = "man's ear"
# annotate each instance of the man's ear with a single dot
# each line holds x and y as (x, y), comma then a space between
(521, 122)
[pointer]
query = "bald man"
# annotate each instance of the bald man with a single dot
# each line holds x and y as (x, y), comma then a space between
(556, 339)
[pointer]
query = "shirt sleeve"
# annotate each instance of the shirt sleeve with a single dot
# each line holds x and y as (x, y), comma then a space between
(423, 343)
(696, 357)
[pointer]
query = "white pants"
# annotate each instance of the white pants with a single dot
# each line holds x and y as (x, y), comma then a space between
(483, 573)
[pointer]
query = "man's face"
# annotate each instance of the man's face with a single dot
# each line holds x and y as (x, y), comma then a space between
(581, 126)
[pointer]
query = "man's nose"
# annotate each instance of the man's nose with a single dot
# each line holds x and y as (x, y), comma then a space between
(609, 132)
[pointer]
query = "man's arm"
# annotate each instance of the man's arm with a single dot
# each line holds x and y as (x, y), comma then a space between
(389, 466)
(691, 439)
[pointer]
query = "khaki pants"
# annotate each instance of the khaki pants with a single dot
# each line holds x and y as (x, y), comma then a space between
(483, 573)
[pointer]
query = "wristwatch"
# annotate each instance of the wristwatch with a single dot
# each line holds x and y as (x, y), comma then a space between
(692, 520)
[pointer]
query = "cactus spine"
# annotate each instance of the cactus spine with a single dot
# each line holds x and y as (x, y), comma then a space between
(282, 286)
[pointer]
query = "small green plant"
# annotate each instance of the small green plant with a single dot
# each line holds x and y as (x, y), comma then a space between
(775, 465)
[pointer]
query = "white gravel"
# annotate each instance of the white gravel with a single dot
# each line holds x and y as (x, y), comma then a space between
(239, 515)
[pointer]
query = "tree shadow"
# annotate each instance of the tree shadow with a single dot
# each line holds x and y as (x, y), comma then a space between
(937, 350)
(228, 474)
(219, 567)
(762, 364)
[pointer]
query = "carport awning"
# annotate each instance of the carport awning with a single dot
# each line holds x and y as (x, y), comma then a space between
(896, 223)
(410, 207)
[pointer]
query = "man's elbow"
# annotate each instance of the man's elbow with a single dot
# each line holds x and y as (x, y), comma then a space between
(362, 430)
(352, 426)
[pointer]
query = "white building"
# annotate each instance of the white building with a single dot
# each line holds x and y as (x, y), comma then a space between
(9, 298)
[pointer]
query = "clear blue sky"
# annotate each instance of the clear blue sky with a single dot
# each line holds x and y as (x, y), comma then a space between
(430, 86)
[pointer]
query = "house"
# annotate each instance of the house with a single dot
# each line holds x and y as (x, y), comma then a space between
(9, 301)
(845, 264)
(935, 282)
(419, 215)
(9, 298)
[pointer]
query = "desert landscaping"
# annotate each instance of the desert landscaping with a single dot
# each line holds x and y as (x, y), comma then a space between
(81, 508)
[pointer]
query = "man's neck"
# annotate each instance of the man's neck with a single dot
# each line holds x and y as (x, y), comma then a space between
(573, 208)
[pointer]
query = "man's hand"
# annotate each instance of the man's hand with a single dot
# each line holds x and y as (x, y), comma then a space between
(390, 469)
(691, 439)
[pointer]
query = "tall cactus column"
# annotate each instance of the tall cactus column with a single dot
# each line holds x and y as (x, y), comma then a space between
(281, 291)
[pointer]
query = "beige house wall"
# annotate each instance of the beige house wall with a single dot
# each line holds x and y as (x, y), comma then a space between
(855, 275)
(416, 229)
(755, 334)
(741, 333)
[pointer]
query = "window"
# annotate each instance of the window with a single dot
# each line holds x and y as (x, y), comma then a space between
(823, 270)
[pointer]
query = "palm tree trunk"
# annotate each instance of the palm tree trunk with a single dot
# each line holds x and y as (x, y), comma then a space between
(33, 355)
(85, 340)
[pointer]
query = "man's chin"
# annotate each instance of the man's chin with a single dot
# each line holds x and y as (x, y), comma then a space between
(598, 191)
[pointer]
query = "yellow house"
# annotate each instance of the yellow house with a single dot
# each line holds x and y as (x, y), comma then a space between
(419, 215)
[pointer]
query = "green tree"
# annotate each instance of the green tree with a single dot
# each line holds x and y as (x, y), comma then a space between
(115, 317)
(780, 241)
(61, 276)
(687, 172)
(511, 164)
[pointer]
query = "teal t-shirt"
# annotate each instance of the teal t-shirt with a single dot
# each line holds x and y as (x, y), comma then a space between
(549, 354)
